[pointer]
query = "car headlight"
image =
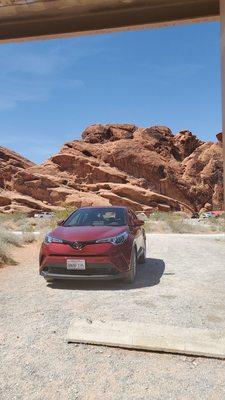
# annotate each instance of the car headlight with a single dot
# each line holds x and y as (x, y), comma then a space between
(119, 239)
(50, 239)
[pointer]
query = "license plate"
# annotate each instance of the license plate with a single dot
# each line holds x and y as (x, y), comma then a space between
(78, 265)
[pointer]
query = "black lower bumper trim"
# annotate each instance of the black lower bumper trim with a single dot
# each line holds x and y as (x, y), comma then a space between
(48, 275)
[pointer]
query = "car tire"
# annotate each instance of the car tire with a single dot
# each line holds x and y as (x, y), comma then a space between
(142, 257)
(131, 275)
(49, 280)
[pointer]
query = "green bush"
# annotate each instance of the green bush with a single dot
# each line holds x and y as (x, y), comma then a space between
(61, 215)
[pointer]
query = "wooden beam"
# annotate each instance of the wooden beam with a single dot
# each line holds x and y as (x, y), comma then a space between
(53, 18)
(140, 336)
(222, 10)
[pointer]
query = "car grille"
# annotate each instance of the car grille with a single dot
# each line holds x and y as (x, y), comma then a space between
(90, 270)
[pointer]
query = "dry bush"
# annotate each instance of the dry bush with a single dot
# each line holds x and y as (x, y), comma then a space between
(162, 222)
(10, 238)
(221, 240)
(180, 226)
(165, 216)
(59, 216)
(167, 222)
(4, 254)
(156, 227)
(217, 224)
(28, 237)
(13, 221)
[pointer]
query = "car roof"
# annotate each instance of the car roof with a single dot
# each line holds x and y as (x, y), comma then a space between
(103, 207)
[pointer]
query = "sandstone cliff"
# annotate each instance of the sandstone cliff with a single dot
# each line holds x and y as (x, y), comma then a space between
(145, 168)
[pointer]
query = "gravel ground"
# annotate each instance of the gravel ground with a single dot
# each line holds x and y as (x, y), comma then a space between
(182, 283)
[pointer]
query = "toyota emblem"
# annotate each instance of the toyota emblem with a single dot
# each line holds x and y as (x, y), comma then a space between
(77, 245)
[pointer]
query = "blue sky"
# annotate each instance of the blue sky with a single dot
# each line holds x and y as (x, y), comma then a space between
(51, 90)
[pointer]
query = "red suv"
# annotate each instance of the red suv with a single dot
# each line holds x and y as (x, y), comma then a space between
(94, 243)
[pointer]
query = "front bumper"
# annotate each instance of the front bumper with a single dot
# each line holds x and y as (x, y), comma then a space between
(103, 262)
(79, 276)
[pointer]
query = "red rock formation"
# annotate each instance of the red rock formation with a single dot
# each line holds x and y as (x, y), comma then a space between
(145, 168)
(10, 164)
(219, 136)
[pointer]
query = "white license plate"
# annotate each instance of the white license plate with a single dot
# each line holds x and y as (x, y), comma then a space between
(78, 265)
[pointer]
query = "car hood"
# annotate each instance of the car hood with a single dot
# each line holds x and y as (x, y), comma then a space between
(86, 233)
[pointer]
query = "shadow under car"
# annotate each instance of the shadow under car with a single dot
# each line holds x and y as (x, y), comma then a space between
(148, 274)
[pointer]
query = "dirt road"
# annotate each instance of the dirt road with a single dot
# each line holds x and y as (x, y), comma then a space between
(182, 283)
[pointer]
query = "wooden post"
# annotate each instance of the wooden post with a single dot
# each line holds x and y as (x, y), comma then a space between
(222, 19)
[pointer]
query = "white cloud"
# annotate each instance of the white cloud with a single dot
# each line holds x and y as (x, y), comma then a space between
(14, 91)
(27, 62)
(34, 74)
(19, 90)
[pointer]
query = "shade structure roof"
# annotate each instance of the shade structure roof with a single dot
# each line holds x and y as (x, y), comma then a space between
(26, 19)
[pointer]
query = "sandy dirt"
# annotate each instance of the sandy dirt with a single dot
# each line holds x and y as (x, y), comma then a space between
(182, 284)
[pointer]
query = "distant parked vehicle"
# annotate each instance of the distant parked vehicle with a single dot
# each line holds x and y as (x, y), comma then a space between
(44, 215)
(94, 243)
(217, 214)
(208, 214)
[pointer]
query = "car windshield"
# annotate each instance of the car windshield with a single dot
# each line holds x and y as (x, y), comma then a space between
(97, 217)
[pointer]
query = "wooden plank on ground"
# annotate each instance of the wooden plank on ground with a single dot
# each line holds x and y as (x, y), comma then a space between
(163, 338)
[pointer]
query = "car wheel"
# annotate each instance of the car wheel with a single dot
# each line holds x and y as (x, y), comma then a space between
(131, 275)
(142, 257)
(49, 280)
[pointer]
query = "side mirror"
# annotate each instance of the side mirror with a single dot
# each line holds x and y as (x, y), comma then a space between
(138, 223)
(61, 222)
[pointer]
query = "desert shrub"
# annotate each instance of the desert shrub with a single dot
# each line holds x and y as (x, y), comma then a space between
(180, 226)
(3, 218)
(27, 225)
(17, 216)
(28, 237)
(13, 221)
(4, 254)
(60, 215)
(10, 238)
(221, 240)
(156, 227)
(217, 224)
(63, 214)
(162, 222)
(164, 216)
